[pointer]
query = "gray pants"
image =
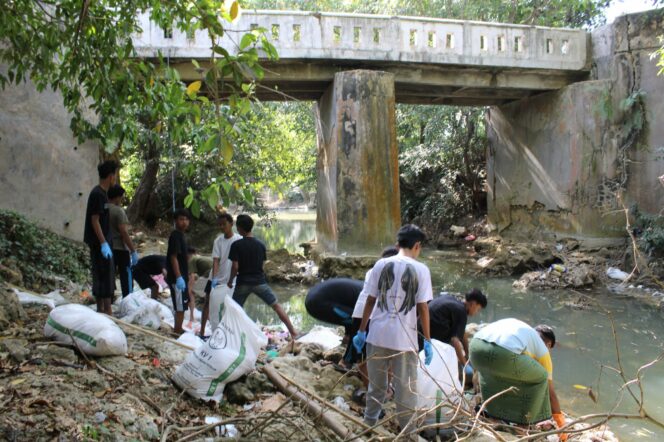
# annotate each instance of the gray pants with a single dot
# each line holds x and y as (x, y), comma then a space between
(404, 369)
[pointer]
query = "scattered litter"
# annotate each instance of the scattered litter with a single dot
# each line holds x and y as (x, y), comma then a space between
(327, 337)
(137, 308)
(190, 339)
(348, 387)
(470, 237)
(617, 274)
(559, 247)
(484, 261)
(249, 406)
(341, 403)
(94, 333)
(559, 268)
(458, 230)
(228, 430)
(100, 417)
(52, 299)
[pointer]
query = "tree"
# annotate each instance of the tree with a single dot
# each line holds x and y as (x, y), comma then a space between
(84, 50)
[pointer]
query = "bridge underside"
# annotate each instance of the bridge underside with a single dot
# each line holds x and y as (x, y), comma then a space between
(414, 83)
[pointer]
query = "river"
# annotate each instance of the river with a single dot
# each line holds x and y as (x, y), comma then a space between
(585, 339)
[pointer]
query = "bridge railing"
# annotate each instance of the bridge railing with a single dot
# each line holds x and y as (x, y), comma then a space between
(375, 38)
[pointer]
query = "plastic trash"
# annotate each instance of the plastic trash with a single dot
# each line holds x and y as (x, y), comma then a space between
(137, 308)
(470, 237)
(228, 430)
(100, 417)
(341, 403)
(438, 382)
(484, 261)
(326, 337)
(190, 339)
(557, 268)
(52, 299)
(617, 274)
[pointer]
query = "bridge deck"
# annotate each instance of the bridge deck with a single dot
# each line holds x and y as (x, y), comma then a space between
(435, 61)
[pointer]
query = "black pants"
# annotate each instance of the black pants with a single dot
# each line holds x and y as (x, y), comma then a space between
(122, 262)
(103, 276)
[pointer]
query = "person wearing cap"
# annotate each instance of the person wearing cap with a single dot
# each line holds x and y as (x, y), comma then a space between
(398, 291)
(510, 353)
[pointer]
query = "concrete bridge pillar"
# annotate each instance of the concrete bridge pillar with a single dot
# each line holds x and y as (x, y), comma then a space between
(358, 170)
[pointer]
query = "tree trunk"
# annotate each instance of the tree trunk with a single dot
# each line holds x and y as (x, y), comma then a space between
(139, 209)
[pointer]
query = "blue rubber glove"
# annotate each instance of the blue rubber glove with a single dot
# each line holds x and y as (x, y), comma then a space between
(359, 340)
(214, 282)
(179, 284)
(428, 352)
(106, 251)
(469, 370)
(134, 258)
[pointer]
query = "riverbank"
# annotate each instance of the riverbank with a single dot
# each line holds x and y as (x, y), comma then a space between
(586, 343)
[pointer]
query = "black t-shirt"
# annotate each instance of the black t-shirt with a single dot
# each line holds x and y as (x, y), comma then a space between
(339, 292)
(177, 245)
(250, 255)
(447, 318)
(97, 205)
(152, 264)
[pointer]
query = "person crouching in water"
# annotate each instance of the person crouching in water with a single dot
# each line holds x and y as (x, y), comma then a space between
(510, 353)
(398, 291)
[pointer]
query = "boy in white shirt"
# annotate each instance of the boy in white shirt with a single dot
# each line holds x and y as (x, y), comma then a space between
(399, 287)
(221, 265)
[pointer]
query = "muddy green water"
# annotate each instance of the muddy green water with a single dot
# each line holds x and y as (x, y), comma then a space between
(585, 338)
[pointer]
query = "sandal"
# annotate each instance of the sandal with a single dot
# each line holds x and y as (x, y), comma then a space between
(359, 396)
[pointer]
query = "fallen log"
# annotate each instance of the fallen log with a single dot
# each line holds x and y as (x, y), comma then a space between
(149, 332)
(313, 408)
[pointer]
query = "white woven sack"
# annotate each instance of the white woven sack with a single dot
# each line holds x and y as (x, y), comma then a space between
(229, 353)
(94, 333)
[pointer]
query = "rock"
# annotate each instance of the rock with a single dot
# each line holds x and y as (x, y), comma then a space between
(11, 310)
(516, 259)
(10, 273)
(282, 266)
(335, 354)
(579, 276)
(345, 266)
(54, 353)
(239, 393)
(17, 348)
(324, 380)
(259, 383)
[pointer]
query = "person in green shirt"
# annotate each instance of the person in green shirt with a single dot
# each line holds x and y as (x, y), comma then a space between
(199, 267)
(125, 255)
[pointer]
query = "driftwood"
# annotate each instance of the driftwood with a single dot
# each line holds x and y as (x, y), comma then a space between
(149, 332)
(312, 407)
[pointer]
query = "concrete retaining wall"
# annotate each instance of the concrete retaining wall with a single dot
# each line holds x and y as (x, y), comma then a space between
(44, 173)
(556, 161)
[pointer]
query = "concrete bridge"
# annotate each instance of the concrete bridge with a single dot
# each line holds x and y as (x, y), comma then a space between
(357, 67)
(558, 150)
(434, 61)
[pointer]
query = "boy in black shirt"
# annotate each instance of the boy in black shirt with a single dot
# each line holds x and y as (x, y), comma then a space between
(248, 255)
(177, 272)
(97, 235)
